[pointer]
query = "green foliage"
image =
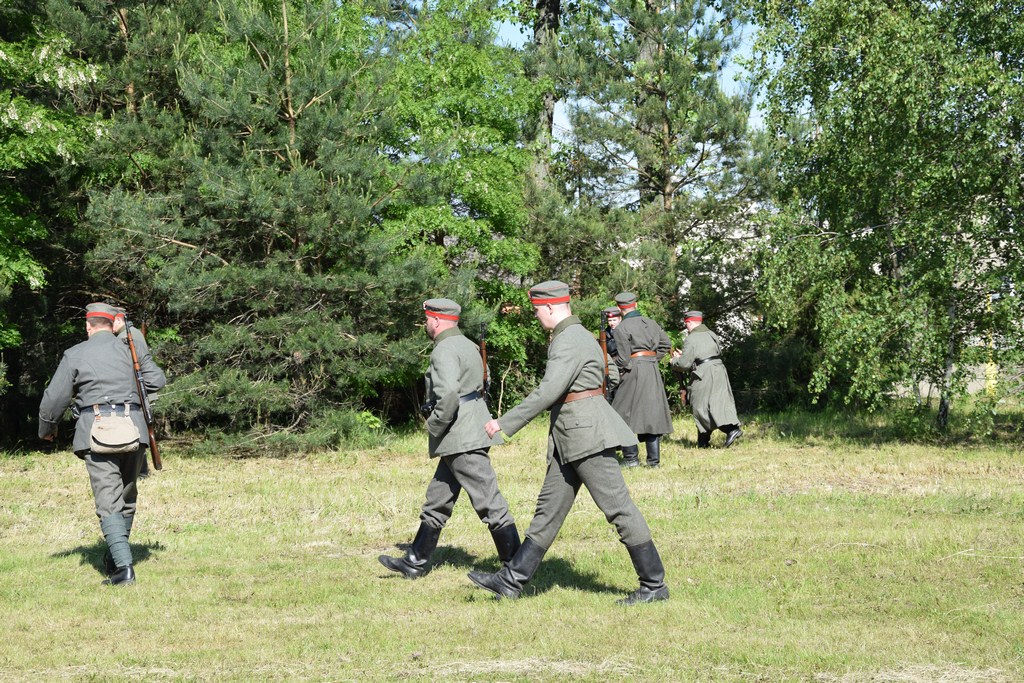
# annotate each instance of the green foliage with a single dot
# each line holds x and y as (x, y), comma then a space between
(331, 173)
(899, 239)
(655, 164)
(35, 70)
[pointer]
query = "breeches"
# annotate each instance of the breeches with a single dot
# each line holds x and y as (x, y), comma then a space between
(602, 476)
(471, 471)
(114, 481)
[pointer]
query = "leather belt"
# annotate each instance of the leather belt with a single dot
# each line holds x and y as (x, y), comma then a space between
(705, 360)
(586, 393)
(643, 354)
(470, 397)
(107, 409)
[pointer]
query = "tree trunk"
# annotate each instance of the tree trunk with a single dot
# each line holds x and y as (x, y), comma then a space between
(942, 419)
(545, 35)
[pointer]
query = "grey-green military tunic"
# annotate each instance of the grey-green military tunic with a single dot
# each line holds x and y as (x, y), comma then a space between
(640, 396)
(454, 383)
(583, 436)
(709, 391)
(99, 372)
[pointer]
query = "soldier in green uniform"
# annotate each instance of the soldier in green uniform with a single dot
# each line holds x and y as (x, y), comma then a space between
(97, 376)
(583, 435)
(640, 397)
(710, 394)
(456, 413)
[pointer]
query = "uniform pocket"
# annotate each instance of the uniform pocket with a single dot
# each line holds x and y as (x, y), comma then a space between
(579, 422)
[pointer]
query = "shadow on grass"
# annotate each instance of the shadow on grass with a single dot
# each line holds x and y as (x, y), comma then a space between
(552, 573)
(897, 424)
(93, 554)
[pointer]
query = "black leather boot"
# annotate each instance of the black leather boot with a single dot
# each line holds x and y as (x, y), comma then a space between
(651, 571)
(703, 439)
(654, 451)
(631, 456)
(415, 563)
(122, 576)
(506, 541)
(732, 432)
(508, 581)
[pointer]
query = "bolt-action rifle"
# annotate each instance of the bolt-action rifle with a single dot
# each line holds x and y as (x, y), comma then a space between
(603, 336)
(483, 358)
(140, 384)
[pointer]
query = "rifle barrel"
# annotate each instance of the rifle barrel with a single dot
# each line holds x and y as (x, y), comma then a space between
(140, 384)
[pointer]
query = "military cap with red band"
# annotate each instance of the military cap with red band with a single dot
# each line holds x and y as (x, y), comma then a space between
(612, 312)
(693, 316)
(100, 310)
(625, 299)
(442, 309)
(550, 292)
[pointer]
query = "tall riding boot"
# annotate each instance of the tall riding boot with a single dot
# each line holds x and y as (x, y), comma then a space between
(703, 439)
(506, 541)
(508, 581)
(651, 571)
(631, 456)
(654, 450)
(414, 564)
(115, 531)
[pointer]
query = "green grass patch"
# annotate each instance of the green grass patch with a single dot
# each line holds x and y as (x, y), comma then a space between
(796, 555)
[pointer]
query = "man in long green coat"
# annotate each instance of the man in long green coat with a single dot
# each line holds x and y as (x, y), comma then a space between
(640, 396)
(583, 434)
(456, 413)
(710, 394)
(98, 377)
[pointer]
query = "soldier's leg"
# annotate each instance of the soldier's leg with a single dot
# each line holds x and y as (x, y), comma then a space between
(604, 481)
(474, 472)
(652, 444)
(556, 497)
(442, 493)
(105, 477)
(130, 467)
(703, 439)
(631, 456)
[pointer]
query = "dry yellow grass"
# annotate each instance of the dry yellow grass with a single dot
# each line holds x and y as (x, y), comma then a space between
(805, 559)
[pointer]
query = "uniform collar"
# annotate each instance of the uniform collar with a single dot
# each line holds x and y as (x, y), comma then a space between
(99, 335)
(560, 327)
(632, 314)
(450, 332)
(700, 328)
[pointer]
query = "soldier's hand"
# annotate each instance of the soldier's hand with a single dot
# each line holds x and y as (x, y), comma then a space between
(492, 427)
(49, 437)
(676, 353)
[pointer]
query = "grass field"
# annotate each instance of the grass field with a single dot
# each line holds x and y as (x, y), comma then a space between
(800, 554)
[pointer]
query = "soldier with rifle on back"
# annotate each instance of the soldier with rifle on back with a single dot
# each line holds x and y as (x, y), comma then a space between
(102, 384)
(456, 412)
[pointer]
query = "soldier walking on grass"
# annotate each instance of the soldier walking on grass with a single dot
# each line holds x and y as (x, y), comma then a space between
(456, 413)
(640, 397)
(584, 433)
(710, 394)
(97, 376)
